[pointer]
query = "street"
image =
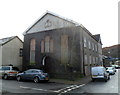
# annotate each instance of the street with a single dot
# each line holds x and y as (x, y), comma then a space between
(100, 86)
(13, 86)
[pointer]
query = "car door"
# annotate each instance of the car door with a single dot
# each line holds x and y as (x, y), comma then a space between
(34, 73)
(27, 74)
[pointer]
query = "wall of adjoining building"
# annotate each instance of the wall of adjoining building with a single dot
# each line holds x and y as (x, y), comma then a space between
(11, 52)
(90, 52)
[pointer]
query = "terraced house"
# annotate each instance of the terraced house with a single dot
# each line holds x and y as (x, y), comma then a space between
(60, 47)
(10, 51)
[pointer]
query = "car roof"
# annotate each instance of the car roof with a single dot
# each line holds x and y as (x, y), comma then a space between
(6, 66)
(35, 69)
(98, 67)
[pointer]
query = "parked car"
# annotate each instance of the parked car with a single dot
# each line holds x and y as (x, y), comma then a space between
(111, 70)
(114, 69)
(99, 72)
(7, 72)
(116, 66)
(33, 74)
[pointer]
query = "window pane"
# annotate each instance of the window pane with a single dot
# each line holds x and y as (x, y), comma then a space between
(47, 44)
(64, 49)
(85, 42)
(90, 59)
(42, 46)
(32, 51)
(5, 68)
(32, 56)
(32, 44)
(85, 59)
(51, 46)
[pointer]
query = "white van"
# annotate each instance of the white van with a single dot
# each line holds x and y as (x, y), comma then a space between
(99, 73)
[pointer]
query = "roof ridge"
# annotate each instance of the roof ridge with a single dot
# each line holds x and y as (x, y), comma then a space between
(8, 37)
(5, 40)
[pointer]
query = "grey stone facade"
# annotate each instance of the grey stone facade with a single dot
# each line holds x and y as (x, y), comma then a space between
(69, 53)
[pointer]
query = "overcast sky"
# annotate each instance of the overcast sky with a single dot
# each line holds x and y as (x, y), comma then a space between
(98, 16)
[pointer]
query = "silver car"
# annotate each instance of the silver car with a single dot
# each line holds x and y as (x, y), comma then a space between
(7, 72)
(99, 72)
(111, 70)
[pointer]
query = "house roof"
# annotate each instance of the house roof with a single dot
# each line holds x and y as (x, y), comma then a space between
(53, 14)
(98, 38)
(7, 39)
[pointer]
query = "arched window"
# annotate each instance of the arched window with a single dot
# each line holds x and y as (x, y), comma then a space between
(32, 51)
(64, 49)
(85, 59)
(42, 46)
(51, 46)
(47, 44)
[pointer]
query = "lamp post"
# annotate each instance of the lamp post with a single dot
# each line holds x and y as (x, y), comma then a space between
(109, 57)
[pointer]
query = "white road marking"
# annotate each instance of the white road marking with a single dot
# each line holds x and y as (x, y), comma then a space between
(68, 90)
(37, 89)
(60, 91)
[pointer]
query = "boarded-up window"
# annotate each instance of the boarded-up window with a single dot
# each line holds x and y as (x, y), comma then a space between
(47, 44)
(89, 45)
(51, 46)
(64, 49)
(93, 46)
(96, 48)
(90, 59)
(42, 46)
(93, 60)
(85, 42)
(96, 60)
(32, 51)
(85, 59)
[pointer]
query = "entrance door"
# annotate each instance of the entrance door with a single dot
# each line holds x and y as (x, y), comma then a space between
(47, 64)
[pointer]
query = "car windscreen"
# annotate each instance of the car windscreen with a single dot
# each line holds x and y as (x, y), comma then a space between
(5, 68)
(97, 70)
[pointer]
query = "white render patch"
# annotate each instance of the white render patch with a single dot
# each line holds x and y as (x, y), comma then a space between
(50, 21)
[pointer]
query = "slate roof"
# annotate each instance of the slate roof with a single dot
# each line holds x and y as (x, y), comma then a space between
(98, 38)
(7, 39)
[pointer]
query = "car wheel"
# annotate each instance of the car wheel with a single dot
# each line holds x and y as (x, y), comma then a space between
(5, 76)
(18, 78)
(36, 79)
(105, 79)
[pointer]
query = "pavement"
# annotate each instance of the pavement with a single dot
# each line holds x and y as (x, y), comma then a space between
(79, 81)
